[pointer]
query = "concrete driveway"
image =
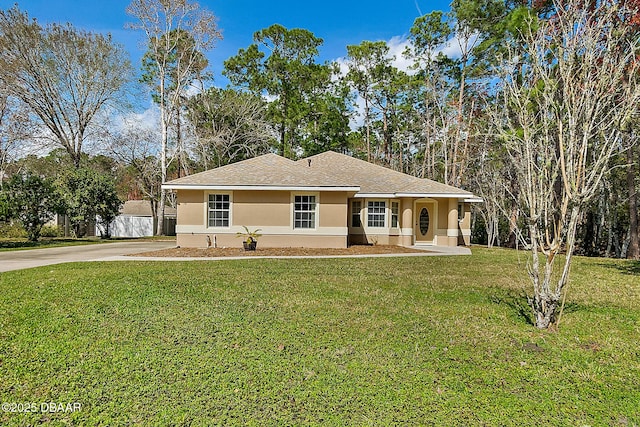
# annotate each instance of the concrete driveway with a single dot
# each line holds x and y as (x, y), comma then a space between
(28, 258)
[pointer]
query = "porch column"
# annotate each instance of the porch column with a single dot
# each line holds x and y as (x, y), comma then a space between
(406, 222)
(465, 226)
(452, 223)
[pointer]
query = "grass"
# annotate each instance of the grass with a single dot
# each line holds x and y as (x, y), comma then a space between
(380, 341)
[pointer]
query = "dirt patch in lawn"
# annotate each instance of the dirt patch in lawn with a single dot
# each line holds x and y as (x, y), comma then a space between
(236, 252)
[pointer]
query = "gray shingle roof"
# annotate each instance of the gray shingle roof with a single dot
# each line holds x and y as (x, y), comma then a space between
(374, 179)
(327, 169)
(269, 170)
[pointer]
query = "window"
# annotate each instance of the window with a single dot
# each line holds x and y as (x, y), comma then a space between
(218, 210)
(304, 212)
(356, 207)
(376, 213)
(460, 212)
(395, 209)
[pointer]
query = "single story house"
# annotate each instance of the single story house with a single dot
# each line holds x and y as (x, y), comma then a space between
(135, 219)
(329, 200)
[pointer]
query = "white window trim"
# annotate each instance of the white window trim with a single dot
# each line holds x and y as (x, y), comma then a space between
(397, 227)
(386, 215)
(293, 211)
(206, 209)
(360, 214)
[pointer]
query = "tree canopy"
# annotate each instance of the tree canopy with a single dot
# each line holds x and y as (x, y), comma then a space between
(64, 75)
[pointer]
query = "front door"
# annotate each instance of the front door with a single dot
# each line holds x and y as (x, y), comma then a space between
(424, 223)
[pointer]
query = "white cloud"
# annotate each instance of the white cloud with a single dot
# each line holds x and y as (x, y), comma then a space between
(450, 49)
(453, 48)
(148, 119)
(397, 46)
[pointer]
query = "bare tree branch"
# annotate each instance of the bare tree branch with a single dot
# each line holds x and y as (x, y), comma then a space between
(565, 99)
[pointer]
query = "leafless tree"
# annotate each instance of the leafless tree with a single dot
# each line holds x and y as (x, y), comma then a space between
(167, 24)
(64, 75)
(489, 182)
(229, 126)
(134, 145)
(565, 100)
(15, 130)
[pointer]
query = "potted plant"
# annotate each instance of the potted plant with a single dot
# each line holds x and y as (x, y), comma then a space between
(250, 238)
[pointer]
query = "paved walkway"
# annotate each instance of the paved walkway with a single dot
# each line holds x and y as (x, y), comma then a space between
(18, 260)
(28, 258)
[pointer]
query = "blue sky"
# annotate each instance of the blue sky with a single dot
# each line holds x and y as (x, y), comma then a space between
(339, 23)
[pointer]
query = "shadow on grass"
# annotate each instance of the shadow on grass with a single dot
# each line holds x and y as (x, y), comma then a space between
(516, 301)
(625, 266)
(14, 244)
(519, 305)
(9, 244)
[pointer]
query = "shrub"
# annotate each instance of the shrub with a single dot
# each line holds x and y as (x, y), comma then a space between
(50, 231)
(12, 230)
(33, 201)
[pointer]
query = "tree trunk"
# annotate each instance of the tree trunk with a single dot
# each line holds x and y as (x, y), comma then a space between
(633, 251)
(154, 211)
(182, 163)
(385, 136)
(546, 301)
(366, 119)
(163, 169)
(465, 149)
(543, 303)
(460, 120)
(513, 227)
(282, 131)
(425, 159)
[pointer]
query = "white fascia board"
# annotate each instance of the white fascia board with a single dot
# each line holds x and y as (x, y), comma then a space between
(432, 195)
(254, 187)
(419, 195)
(376, 196)
(474, 200)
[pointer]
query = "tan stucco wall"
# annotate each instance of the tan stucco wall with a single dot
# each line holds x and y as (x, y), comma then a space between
(333, 209)
(378, 239)
(190, 207)
(270, 241)
(272, 211)
(261, 208)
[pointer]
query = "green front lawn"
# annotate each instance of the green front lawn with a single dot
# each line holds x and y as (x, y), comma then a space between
(380, 341)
